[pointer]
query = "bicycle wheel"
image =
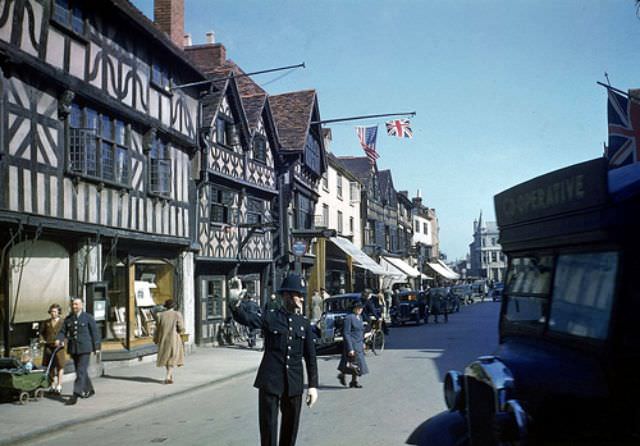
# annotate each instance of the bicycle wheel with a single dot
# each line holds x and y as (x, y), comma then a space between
(378, 342)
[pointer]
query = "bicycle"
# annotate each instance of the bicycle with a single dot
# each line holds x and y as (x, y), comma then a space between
(374, 339)
(234, 333)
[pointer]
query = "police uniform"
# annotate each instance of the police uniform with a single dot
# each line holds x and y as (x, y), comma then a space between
(287, 340)
(82, 338)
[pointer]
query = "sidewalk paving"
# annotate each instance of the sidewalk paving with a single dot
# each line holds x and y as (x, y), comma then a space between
(124, 388)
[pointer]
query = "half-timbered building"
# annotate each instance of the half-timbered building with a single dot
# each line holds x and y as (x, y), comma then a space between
(95, 178)
(303, 158)
(238, 190)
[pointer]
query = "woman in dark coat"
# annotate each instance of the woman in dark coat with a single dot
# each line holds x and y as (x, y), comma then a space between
(353, 346)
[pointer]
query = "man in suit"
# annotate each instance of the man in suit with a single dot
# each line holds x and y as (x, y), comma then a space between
(288, 339)
(80, 331)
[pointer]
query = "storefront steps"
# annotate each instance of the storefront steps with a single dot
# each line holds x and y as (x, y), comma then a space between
(121, 388)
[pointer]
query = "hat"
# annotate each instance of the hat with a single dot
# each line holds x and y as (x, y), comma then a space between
(293, 283)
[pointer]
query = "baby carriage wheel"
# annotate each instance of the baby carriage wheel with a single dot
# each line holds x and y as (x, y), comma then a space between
(38, 394)
(23, 398)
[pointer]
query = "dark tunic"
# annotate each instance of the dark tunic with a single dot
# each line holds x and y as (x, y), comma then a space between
(81, 333)
(353, 334)
(287, 340)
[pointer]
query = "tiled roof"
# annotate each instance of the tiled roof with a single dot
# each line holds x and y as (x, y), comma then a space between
(253, 106)
(246, 85)
(337, 164)
(357, 165)
(292, 114)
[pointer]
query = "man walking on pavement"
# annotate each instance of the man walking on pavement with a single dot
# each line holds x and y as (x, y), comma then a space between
(80, 331)
(288, 339)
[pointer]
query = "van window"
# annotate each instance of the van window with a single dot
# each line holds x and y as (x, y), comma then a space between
(583, 291)
(528, 285)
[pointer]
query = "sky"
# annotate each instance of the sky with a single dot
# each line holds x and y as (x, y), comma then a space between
(503, 90)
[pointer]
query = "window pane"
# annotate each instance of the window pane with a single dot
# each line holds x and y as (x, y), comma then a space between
(156, 74)
(218, 213)
(91, 153)
(77, 20)
(75, 117)
(120, 133)
(92, 118)
(221, 131)
(107, 161)
(583, 291)
(107, 128)
(61, 11)
(122, 165)
(530, 275)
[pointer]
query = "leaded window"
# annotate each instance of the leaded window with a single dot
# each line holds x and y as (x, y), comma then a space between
(255, 211)
(260, 149)
(68, 14)
(98, 146)
(159, 168)
(222, 205)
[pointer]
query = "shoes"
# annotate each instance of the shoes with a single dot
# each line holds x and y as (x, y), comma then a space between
(355, 385)
(168, 381)
(72, 401)
(58, 389)
(342, 380)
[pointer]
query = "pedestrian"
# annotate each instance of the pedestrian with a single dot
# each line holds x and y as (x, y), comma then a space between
(50, 329)
(325, 294)
(169, 327)
(352, 361)
(288, 339)
(316, 306)
(82, 338)
(250, 305)
(437, 305)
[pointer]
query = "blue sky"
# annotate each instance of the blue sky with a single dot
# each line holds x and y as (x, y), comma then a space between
(503, 90)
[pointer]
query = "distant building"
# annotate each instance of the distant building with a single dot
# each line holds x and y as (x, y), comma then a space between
(487, 259)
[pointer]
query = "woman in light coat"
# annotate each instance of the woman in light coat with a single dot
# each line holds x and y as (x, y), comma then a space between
(353, 347)
(169, 326)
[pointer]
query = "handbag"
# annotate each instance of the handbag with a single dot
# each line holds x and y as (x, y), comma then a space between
(352, 366)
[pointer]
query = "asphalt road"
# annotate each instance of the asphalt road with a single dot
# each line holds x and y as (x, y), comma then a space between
(403, 388)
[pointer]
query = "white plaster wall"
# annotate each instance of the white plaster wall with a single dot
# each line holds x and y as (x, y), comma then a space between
(421, 237)
(349, 209)
(188, 296)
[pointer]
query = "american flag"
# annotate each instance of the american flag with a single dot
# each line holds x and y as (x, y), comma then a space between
(623, 115)
(400, 128)
(367, 137)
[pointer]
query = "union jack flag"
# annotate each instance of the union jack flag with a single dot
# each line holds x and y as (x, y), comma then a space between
(400, 128)
(367, 137)
(623, 115)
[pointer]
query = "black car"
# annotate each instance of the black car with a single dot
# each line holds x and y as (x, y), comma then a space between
(409, 306)
(329, 326)
(565, 370)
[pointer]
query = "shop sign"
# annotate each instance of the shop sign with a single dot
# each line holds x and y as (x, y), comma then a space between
(299, 248)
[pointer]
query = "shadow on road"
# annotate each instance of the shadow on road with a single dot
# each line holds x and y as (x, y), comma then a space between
(140, 379)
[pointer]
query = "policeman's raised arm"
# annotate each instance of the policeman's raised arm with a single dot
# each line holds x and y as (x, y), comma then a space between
(248, 318)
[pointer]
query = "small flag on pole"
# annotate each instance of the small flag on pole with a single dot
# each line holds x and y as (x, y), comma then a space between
(623, 115)
(367, 137)
(400, 128)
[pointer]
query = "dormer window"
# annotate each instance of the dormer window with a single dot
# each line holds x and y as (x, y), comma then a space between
(260, 149)
(227, 133)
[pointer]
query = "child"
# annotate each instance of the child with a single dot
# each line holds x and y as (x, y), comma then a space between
(27, 362)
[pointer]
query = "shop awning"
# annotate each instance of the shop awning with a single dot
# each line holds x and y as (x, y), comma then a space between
(423, 276)
(360, 259)
(402, 266)
(442, 269)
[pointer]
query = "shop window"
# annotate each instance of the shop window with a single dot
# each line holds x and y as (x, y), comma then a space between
(255, 211)
(69, 14)
(213, 298)
(222, 204)
(98, 146)
(159, 168)
(260, 149)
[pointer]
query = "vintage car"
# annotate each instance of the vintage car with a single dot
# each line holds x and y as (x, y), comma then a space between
(565, 370)
(329, 326)
(464, 293)
(409, 306)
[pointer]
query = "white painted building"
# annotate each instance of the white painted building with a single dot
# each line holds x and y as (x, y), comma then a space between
(339, 203)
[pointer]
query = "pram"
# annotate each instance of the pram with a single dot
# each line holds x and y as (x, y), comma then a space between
(17, 381)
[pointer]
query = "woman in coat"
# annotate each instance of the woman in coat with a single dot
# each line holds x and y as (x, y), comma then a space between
(353, 346)
(167, 336)
(50, 330)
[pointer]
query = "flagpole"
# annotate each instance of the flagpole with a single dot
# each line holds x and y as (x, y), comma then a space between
(355, 118)
(609, 87)
(217, 79)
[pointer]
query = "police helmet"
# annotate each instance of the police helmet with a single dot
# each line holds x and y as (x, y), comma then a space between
(293, 283)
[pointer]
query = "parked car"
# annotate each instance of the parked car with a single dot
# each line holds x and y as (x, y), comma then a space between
(565, 369)
(329, 326)
(464, 293)
(409, 307)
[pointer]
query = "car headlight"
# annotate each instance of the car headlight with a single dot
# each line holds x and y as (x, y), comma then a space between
(414, 310)
(453, 395)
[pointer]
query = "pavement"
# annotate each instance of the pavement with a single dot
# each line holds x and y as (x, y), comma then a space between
(124, 388)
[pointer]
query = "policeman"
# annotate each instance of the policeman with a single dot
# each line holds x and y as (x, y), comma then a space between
(288, 339)
(81, 333)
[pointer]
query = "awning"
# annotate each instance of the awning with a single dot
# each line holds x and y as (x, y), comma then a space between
(423, 276)
(360, 259)
(442, 269)
(401, 265)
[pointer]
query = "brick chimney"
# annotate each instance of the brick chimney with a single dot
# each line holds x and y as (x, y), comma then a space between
(168, 15)
(208, 56)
